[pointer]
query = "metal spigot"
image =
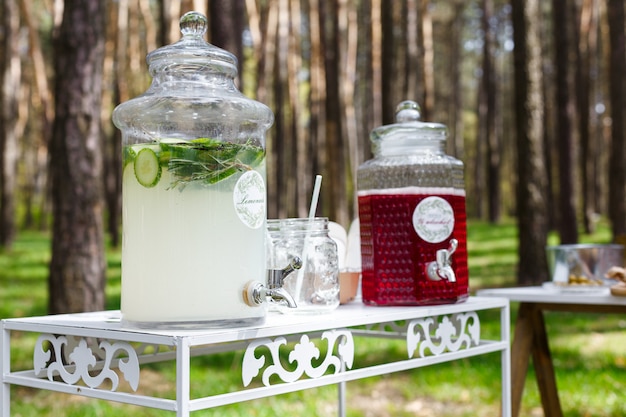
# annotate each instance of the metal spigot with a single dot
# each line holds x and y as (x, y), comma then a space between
(255, 293)
(442, 267)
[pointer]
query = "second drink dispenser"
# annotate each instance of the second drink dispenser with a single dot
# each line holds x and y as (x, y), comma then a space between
(412, 215)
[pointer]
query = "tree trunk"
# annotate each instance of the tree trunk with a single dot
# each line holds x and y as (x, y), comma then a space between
(333, 196)
(562, 22)
(35, 188)
(531, 189)
(456, 141)
(399, 60)
(77, 267)
(10, 75)
(226, 19)
(549, 123)
(412, 60)
(350, 129)
(117, 73)
(388, 55)
(265, 94)
(617, 167)
(301, 139)
(479, 182)
(285, 149)
(428, 60)
(375, 72)
(584, 34)
(489, 116)
(169, 14)
(317, 126)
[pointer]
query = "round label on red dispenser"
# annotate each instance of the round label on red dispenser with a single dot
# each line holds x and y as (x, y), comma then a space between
(433, 219)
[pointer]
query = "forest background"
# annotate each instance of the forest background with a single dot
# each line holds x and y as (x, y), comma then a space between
(532, 93)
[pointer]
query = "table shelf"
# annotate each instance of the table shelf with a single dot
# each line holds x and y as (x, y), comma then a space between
(92, 354)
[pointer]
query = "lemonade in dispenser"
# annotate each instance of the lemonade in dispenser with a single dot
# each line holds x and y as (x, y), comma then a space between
(194, 197)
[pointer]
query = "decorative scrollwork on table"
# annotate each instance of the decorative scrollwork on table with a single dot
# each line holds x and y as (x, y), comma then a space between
(438, 336)
(304, 355)
(73, 360)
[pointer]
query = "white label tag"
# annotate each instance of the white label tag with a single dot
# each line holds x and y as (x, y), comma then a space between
(249, 199)
(433, 219)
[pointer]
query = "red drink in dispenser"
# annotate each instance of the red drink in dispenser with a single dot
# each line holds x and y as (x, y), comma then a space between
(412, 216)
(396, 259)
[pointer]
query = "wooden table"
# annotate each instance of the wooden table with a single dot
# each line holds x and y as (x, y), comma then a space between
(79, 354)
(530, 335)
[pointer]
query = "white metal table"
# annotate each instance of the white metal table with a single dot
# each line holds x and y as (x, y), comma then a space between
(531, 338)
(92, 354)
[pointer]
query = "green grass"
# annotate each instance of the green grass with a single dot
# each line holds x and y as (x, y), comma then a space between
(588, 353)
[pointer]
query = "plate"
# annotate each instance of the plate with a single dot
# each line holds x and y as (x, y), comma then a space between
(580, 288)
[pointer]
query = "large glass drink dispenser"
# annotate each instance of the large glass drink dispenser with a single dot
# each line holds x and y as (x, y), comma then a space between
(194, 198)
(412, 215)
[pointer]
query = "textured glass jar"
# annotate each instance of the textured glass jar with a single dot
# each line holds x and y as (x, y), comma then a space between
(194, 197)
(315, 286)
(412, 215)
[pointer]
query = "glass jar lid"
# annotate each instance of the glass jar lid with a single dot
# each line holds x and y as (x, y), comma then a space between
(408, 131)
(192, 51)
(193, 95)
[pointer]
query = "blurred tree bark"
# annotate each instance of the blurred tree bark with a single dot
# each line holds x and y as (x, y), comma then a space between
(374, 101)
(35, 188)
(428, 60)
(617, 167)
(487, 115)
(585, 49)
(562, 22)
(532, 212)
(388, 61)
(115, 59)
(350, 132)
(456, 142)
(77, 267)
(226, 24)
(297, 106)
(406, 56)
(10, 75)
(265, 50)
(494, 148)
(286, 148)
(169, 14)
(331, 152)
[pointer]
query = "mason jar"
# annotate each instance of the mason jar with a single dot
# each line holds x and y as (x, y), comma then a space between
(315, 286)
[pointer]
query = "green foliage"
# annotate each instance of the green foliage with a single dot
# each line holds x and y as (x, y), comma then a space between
(587, 352)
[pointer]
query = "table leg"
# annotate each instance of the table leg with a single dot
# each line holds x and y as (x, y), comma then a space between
(505, 360)
(544, 369)
(530, 338)
(342, 399)
(5, 368)
(183, 378)
(520, 355)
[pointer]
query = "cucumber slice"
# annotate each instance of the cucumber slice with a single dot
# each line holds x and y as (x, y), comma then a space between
(128, 155)
(147, 168)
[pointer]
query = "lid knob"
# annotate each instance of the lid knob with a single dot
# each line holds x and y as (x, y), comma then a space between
(408, 111)
(193, 24)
